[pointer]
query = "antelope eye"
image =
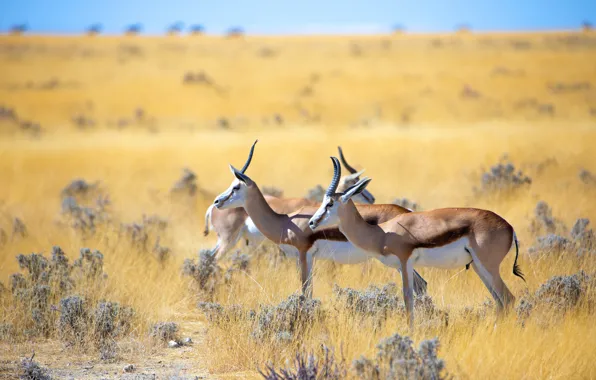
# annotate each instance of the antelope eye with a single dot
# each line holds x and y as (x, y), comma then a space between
(330, 204)
(237, 187)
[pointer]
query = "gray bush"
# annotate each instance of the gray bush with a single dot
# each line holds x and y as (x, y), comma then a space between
(309, 367)
(544, 222)
(587, 177)
(273, 191)
(218, 314)
(558, 295)
(581, 241)
(397, 359)
(187, 184)
(406, 203)
(90, 263)
(502, 177)
(73, 322)
(316, 193)
(31, 370)
(165, 331)
(380, 303)
(19, 229)
(240, 263)
(206, 272)
(78, 187)
(289, 316)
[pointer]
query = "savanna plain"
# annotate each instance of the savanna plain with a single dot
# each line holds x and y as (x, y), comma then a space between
(112, 148)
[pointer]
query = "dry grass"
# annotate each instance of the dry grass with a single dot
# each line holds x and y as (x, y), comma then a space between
(435, 161)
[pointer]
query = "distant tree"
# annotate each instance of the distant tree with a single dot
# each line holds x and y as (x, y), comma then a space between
(398, 29)
(175, 28)
(94, 29)
(18, 29)
(463, 28)
(133, 29)
(587, 26)
(197, 29)
(235, 32)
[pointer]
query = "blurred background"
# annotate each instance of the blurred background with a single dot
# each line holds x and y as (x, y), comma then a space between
(118, 120)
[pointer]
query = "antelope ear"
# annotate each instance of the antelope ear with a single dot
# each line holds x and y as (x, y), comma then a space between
(241, 176)
(355, 189)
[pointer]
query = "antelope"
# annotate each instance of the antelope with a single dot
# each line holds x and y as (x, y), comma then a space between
(292, 233)
(443, 238)
(234, 224)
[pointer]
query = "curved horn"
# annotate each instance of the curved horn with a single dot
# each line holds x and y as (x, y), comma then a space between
(335, 180)
(249, 159)
(343, 161)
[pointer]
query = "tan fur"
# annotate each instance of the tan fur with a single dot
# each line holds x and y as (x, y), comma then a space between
(294, 230)
(228, 224)
(490, 237)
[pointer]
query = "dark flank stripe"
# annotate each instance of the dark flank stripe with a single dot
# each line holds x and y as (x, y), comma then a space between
(335, 234)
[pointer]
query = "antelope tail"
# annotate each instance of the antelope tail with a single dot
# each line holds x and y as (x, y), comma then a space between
(208, 220)
(516, 269)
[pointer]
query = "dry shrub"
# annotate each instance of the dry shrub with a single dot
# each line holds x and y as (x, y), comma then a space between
(31, 370)
(581, 241)
(73, 288)
(397, 359)
(502, 177)
(544, 222)
(556, 297)
(205, 272)
(283, 322)
(309, 367)
(165, 331)
(382, 303)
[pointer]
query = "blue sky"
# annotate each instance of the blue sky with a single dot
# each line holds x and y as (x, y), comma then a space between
(302, 17)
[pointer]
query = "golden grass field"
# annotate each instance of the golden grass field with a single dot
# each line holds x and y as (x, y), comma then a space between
(424, 114)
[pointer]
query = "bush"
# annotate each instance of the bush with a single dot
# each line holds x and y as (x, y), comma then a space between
(240, 263)
(397, 359)
(31, 370)
(406, 203)
(380, 303)
(544, 222)
(187, 184)
(310, 367)
(165, 331)
(557, 296)
(581, 241)
(288, 317)
(316, 194)
(502, 177)
(206, 272)
(74, 320)
(273, 191)
(281, 322)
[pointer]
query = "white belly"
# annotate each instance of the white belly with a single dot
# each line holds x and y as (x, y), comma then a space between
(450, 256)
(342, 252)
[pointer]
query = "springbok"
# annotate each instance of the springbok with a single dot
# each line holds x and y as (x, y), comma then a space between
(443, 238)
(292, 233)
(233, 224)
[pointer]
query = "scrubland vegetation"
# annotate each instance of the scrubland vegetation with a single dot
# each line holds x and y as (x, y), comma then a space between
(112, 148)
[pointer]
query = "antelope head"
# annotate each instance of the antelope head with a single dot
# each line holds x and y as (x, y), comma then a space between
(236, 194)
(350, 180)
(333, 203)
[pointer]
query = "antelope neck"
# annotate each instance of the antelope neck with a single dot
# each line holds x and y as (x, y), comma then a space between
(363, 235)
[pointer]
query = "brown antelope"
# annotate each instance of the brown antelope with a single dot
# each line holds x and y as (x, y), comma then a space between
(292, 233)
(233, 224)
(443, 238)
